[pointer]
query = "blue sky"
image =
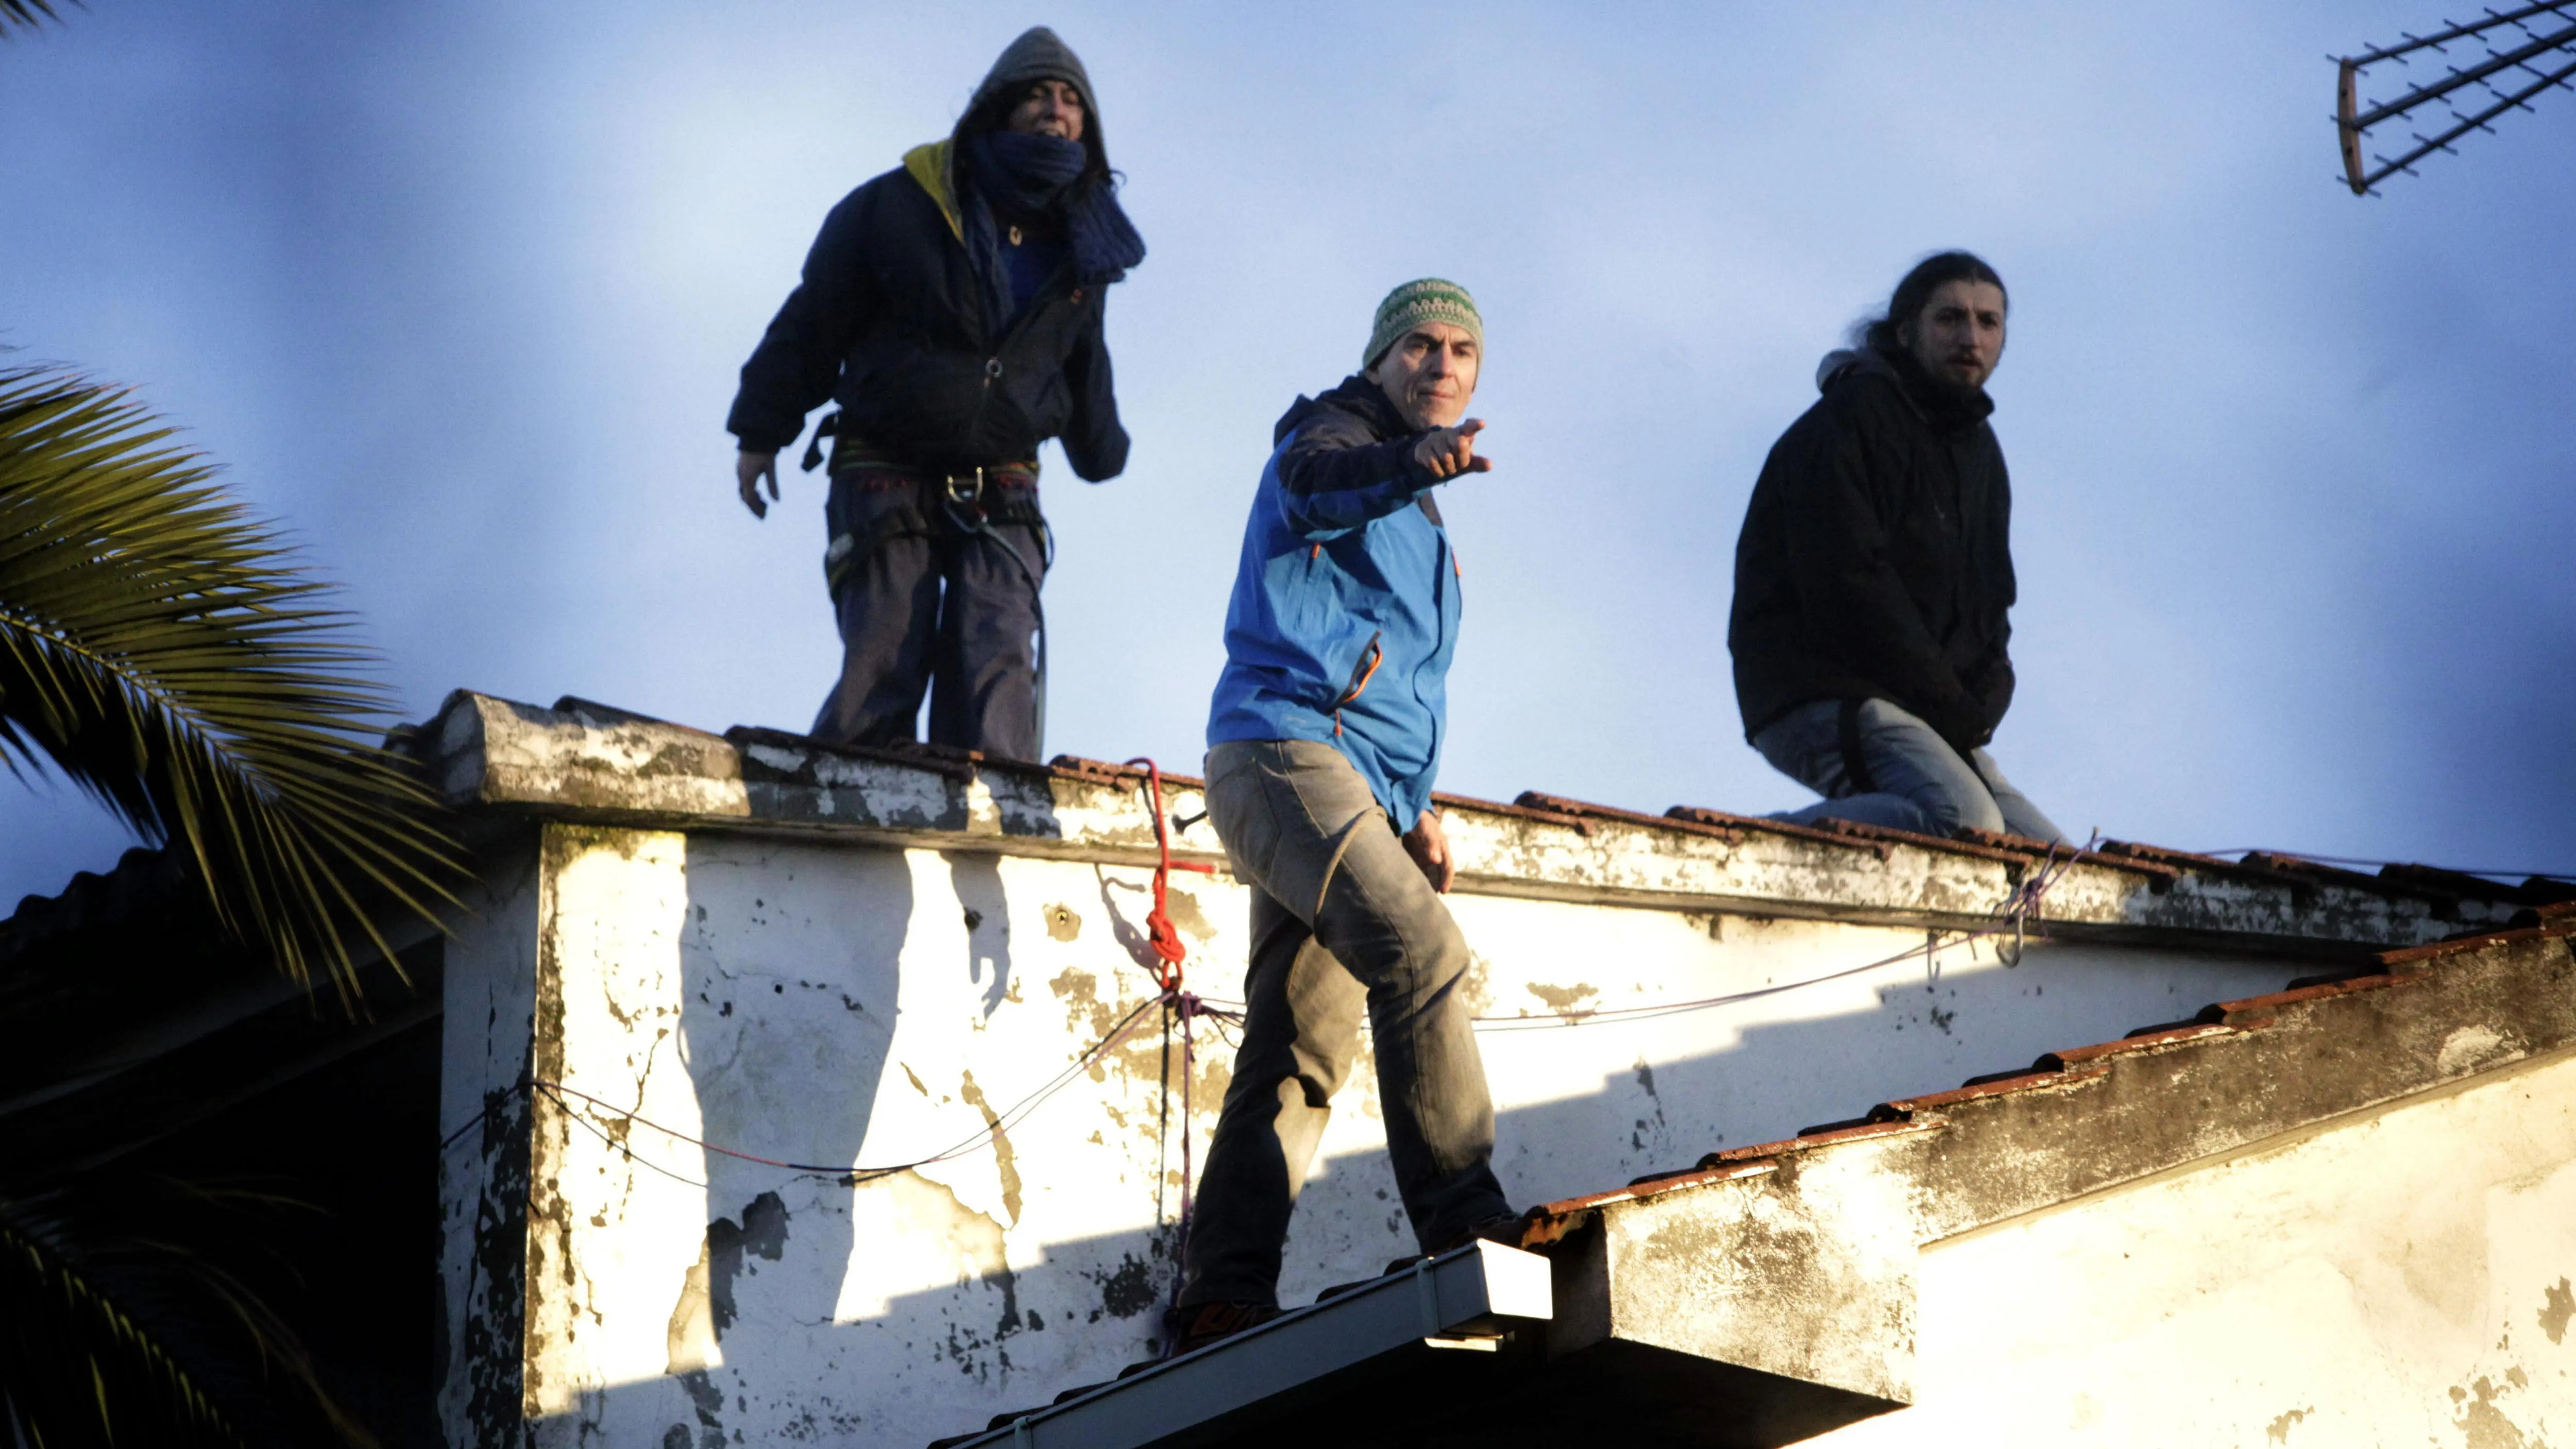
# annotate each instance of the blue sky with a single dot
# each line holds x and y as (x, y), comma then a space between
(457, 291)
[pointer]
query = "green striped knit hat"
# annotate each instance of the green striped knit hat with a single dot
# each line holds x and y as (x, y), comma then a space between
(1414, 303)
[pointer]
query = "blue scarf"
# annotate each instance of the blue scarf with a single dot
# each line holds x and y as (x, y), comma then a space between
(1038, 180)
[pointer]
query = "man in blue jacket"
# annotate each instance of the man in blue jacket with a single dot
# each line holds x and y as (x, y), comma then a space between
(1323, 741)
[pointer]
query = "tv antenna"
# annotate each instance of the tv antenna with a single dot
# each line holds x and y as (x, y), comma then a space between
(2517, 53)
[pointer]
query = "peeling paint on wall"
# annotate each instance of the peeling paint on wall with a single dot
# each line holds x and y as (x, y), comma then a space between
(2557, 1306)
(928, 1297)
(934, 1214)
(2483, 1423)
(1563, 999)
(1184, 910)
(2353, 1286)
(1002, 1158)
(2278, 1431)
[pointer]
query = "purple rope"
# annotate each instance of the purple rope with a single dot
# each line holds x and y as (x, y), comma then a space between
(1186, 1006)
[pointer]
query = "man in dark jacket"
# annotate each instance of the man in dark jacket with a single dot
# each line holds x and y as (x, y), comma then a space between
(952, 308)
(1874, 574)
(1323, 740)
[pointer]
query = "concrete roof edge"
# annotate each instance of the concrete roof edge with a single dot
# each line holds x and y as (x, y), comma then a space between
(588, 762)
(2510, 985)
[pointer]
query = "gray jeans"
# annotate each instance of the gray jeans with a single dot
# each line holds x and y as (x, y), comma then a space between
(1914, 780)
(1342, 920)
(951, 613)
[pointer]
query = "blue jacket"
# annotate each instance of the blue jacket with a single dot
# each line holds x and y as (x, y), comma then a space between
(1345, 609)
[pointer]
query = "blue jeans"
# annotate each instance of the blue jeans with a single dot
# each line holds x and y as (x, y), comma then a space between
(1913, 779)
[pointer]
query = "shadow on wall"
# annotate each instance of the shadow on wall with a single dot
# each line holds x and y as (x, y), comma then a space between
(1928, 1032)
(778, 1362)
(818, 980)
(977, 879)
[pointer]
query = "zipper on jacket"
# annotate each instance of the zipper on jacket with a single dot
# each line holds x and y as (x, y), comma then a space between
(1372, 655)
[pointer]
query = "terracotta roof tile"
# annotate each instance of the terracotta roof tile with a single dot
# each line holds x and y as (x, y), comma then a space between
(2457, 883)
(2218, 866)
(1522, 811)
(2023, 845)
(1903, 1108)
(2217, 1022)
(1104, 772)
(2259, 1010)
(2150, 1041)
(2293, 866)
(1688, 823)
(1844, 834)
(2560, 924)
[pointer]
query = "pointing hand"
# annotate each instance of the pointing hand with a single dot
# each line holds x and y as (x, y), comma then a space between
(1444, 453)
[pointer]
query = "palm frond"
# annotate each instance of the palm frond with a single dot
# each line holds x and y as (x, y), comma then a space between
(123, 1320)
(25, 15)
(158, 645)
(77, 1368)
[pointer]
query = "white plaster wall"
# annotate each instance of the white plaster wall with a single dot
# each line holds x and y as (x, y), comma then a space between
(854, 1005)
(2399, 1279)
(487, 1036)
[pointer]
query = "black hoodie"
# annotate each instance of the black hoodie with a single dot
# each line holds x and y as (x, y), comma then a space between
(1876, 557)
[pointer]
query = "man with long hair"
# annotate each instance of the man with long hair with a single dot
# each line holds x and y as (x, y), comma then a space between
(952, 307)
(1874, 574)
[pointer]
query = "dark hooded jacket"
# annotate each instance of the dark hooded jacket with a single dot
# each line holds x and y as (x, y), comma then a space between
(889, 322)
(1876, 556)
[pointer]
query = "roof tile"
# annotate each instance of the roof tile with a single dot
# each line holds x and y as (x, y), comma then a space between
(2562, 924)
(2219, 1021)
(2152, 1041)
(2254, 1011)
(1903, 1108)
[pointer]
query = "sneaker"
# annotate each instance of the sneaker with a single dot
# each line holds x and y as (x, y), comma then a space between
(1193, 1326)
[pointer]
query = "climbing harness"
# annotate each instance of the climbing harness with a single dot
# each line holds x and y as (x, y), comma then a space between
(969, 504)
(967, 513)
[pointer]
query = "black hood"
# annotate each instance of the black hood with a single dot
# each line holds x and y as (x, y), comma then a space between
(1944, 405)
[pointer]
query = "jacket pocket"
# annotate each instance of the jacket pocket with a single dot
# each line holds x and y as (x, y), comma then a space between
(1363, 669)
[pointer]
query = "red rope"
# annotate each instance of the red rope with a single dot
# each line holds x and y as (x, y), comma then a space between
(1166, 941)
(1169, 953)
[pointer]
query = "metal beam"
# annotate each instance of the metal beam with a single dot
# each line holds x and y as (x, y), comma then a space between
(1466, 1299)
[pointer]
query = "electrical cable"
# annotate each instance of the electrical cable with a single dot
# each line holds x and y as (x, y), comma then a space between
(2018, 909)
(1176, 1004)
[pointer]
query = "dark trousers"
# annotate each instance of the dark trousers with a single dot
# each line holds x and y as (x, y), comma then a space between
(1343, 923)
(926, 604)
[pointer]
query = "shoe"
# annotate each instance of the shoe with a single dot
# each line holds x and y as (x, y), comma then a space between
(1504, 1228)
(1193, 1326)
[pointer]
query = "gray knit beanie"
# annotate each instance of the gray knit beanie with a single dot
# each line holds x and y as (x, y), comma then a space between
(1414, 303)
(1038, 55)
